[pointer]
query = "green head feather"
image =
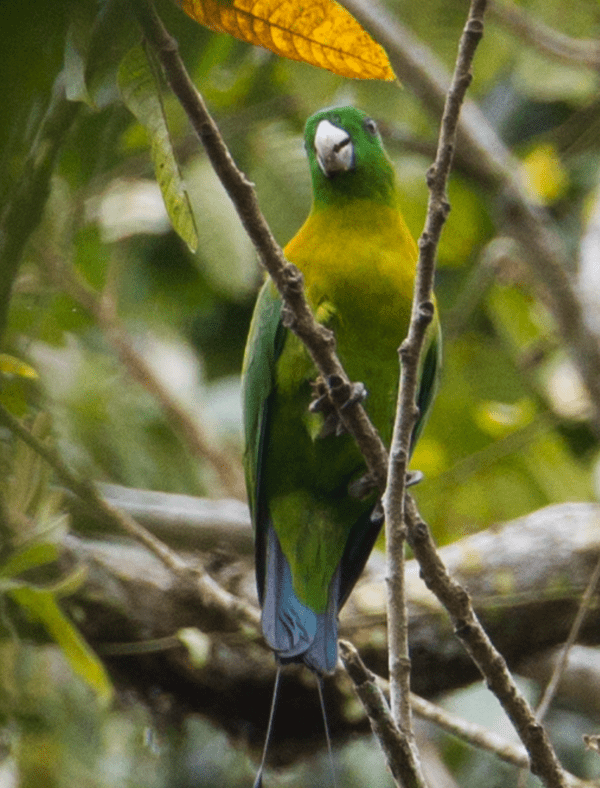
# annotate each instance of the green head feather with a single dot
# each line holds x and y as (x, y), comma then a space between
(347, 159)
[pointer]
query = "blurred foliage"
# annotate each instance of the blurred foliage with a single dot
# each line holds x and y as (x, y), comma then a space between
(32, 523)
(508, 433)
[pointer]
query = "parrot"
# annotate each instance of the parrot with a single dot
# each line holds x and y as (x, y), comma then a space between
(314, 515)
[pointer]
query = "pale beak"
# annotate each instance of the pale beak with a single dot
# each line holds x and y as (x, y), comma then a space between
(334, 149)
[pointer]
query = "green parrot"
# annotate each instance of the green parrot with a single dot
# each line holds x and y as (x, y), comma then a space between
(315, 525)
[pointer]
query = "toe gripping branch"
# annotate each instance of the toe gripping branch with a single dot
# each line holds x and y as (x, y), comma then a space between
(325, 396)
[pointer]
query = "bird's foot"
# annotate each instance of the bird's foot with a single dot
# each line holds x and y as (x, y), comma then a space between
(362, 487)
(413, 477)
(323, 403)
(377, 515)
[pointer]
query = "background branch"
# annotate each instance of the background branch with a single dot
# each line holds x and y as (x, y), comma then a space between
(129, 597)
(103, 310)
(584, 53)
(204, 593)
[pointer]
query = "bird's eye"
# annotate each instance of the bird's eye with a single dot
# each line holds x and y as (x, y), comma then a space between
(370, 126)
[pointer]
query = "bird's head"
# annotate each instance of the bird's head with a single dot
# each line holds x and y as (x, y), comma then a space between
(347, 158)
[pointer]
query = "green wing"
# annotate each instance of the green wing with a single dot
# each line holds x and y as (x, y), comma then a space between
(265, 343)
(429, 378)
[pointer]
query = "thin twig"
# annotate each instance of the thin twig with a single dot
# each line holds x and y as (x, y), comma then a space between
(411, 351)
(574, 51)
(475, 735)
(562, 661)
(102, 310)
(399, 749)
(478, 736)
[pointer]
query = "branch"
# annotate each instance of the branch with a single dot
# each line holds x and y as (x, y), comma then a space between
(129, 596)
(181, 521)
(189, 430)
(410, 352)
(574, 51)
(561, 664)
(456, 600)
(398, 748)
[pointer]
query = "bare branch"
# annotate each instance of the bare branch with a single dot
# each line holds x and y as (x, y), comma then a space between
(225, 468)
(399, 748)
(129, 596)
(562, 662)
(574, 51)
(412, 348)
(456, 600)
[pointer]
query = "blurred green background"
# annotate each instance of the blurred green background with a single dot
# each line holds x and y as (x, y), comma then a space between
(508, 433)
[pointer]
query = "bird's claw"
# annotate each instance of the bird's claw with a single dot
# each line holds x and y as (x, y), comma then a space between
(323, 403)
(412, 478)
(377, 515)
(356, 394)
(362, 487)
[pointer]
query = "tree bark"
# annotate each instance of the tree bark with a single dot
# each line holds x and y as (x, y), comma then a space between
(525, 577)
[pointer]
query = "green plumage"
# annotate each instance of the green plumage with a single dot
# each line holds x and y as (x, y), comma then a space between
(313, 535)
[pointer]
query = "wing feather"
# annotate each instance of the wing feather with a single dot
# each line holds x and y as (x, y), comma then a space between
(265, 344)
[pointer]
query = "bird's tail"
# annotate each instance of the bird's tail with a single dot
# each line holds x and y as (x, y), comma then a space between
(327, 735)
(294, 631)
(258, 781)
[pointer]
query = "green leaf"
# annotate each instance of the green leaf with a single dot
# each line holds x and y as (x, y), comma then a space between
(28, 558)
(41, 605)
(141, 95)
(76, 45)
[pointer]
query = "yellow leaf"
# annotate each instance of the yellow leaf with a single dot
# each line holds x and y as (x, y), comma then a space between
(319, 32)
(543, 175)
(9, 365)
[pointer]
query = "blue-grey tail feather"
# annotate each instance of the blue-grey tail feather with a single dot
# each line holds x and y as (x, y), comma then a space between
(323, 652)
(294, 631)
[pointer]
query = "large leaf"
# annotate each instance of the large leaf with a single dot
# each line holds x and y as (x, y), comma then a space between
(42, 606)
(319, 32)
(141, 94)
(30, 557)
